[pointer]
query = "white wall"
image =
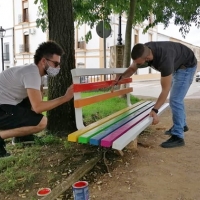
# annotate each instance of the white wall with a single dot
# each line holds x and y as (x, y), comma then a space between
(6, 21)
(161, 37)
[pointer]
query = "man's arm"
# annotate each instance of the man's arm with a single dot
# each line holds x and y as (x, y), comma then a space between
(130, 70)
(39, 106)
(166, 85)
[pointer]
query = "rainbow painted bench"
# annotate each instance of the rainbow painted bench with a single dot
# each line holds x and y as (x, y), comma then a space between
(117, 130)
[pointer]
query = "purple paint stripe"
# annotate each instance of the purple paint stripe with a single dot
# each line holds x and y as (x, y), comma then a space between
(108, 140)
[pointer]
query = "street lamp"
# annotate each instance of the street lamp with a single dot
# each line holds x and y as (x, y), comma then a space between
(2, 34)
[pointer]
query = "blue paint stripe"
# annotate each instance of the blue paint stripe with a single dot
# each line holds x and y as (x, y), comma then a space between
(95, 140)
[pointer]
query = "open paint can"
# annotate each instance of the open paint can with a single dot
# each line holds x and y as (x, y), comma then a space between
(80, 190)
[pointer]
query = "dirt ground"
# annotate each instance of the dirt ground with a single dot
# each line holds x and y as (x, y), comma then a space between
(155, 173)
(148, 173)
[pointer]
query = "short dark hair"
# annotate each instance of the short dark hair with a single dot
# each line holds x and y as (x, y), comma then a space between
(47, 49)
(138, 51)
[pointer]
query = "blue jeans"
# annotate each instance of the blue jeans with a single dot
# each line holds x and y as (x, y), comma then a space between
(181, 81)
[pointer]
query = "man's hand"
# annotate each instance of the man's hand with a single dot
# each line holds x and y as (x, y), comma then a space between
(155, 117)
(117, 79)
(69, 93)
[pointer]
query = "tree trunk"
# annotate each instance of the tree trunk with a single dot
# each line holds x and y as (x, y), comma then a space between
(128, 34)
(61, 120)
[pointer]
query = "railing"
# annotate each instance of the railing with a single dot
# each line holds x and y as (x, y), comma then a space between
(26, 48)
(96, 78)
(6, 56)
(23, 48)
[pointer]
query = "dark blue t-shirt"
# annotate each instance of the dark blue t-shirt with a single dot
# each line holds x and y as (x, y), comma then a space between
(169, 56)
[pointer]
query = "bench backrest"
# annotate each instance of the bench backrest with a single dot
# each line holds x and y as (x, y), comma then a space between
(92, 79)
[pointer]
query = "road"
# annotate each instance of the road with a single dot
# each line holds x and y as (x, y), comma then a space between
(153, 89)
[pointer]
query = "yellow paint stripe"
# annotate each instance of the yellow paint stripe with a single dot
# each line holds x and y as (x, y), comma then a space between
(94, 99)
(73, 137)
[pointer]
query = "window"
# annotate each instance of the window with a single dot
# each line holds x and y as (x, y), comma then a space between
(136, 37)
(6, 55)
(81, 45)
(25, 11)
(26, 43)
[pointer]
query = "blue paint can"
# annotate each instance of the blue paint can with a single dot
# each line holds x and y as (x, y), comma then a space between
(80, 190)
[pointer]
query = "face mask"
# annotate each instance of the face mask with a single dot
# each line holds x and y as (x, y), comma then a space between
(51, 71)
(146, 64)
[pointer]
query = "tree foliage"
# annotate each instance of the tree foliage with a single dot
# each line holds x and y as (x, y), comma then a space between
(90, 12)
(183, 13)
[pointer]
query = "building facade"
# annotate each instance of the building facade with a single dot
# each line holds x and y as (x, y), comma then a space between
(22, 38)
(7, 42)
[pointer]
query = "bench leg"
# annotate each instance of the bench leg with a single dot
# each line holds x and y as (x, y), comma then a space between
(119, 152)
(132, 145)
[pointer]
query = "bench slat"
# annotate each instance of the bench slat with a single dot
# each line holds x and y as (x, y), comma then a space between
(108, 140)
(73, 137)
(130, 135)
(82, 87)
(94, 99)
(96, 140)
(86, 136)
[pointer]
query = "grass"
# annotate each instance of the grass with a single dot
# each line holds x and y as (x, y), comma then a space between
(102, 109)
(22, 168)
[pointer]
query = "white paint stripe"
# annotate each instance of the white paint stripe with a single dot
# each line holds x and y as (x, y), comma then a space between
(130, 135)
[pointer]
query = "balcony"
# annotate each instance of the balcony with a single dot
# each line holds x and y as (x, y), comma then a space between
(23, 48)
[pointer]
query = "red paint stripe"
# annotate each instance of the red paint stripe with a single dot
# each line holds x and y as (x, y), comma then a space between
(108, 140)
(98, 85)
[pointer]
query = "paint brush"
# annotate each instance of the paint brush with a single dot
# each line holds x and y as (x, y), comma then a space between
(113, 87)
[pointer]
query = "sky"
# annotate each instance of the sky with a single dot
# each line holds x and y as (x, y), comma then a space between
(192, 37)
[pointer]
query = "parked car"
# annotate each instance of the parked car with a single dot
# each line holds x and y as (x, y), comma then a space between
(197, 78)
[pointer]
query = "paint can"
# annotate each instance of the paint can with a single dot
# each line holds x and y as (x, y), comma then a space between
(80, 190)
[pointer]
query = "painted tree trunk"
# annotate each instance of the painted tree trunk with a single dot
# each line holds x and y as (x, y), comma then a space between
(128, 34)
(61, 120)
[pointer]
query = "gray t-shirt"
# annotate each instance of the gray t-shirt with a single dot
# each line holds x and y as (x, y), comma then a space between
(169, 56)
(15, 81)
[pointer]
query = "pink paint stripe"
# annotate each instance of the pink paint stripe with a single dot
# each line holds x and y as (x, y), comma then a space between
(108, 140)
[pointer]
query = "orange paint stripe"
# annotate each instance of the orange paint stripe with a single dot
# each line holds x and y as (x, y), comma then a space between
(98, 85)
(94, 99)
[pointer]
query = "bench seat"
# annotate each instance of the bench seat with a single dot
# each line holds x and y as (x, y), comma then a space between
(118, 129)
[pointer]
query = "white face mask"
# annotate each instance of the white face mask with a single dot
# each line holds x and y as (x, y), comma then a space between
(51, 71)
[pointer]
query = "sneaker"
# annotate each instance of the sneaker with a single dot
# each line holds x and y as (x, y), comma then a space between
(28, 139)
(3, 152)
(173, 141)
(168, 132)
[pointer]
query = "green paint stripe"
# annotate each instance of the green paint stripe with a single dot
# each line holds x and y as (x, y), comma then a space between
(86, 136)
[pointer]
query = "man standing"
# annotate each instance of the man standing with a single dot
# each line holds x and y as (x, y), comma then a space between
(177, 65)
(21, 101)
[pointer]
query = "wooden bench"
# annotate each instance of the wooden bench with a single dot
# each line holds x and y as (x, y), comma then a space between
(118, 129)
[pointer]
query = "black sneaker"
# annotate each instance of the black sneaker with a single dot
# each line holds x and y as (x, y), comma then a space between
(3, 152)
(173, 141)
(28, 139)
(168, 132)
